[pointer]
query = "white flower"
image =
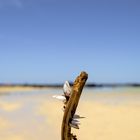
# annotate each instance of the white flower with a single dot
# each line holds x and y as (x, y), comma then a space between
(67, 89)
(60, 97)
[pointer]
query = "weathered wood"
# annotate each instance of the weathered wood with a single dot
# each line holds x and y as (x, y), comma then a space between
(72, 105)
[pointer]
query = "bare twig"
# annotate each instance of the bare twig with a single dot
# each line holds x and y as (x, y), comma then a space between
(71, 106)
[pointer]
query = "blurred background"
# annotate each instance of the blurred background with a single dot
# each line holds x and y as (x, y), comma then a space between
(43, 43)
(50, 41)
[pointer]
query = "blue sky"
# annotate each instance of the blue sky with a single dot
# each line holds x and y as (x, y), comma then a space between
(50, 41)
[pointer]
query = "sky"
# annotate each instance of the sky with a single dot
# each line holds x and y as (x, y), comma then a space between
(50, 41)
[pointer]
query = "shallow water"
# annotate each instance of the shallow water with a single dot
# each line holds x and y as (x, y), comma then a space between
(24, 115)
(35, 115)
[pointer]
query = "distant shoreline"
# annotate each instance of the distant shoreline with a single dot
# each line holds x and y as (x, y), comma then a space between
(61, 85)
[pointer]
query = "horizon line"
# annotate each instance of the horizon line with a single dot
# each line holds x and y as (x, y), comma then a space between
(89, 84)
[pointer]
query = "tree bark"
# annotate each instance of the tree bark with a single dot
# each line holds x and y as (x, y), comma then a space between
(72, 105)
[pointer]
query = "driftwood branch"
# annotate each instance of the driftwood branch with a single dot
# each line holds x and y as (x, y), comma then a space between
(71, 106)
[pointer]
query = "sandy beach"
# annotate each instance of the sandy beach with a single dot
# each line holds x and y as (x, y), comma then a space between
(33, 115)
(5, 89)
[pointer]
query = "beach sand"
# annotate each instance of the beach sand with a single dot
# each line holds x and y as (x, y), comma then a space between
(6, 89)
(110, 115)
